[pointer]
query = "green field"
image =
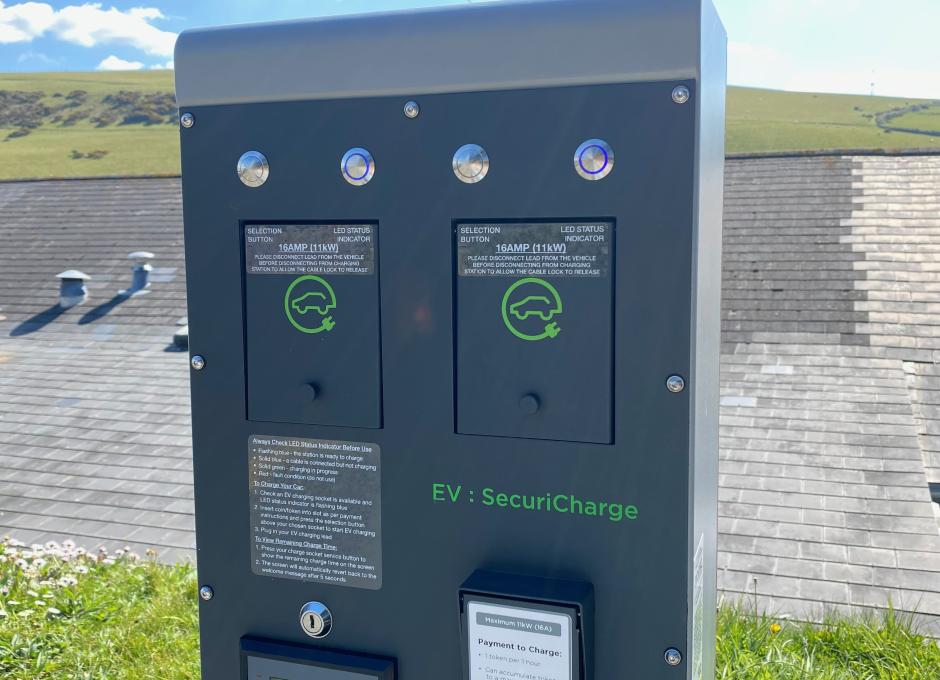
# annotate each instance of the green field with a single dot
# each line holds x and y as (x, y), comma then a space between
(53, 149)
(767, 120)
(37, 141)
(67, 614)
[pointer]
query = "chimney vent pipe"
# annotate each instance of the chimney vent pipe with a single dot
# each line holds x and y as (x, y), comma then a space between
(72, 290)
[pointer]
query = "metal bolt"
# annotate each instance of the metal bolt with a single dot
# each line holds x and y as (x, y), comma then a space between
(680, 94)
(198, 362)
(675, 383)
(412, 109)
(206, 593)
(187, 120)
(529, 404)
(672, 656)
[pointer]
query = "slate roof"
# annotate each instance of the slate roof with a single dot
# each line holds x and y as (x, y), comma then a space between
(94, 402)
(830, 426)
(830, 415)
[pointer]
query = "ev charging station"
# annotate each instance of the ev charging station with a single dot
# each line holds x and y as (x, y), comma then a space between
(454, 284)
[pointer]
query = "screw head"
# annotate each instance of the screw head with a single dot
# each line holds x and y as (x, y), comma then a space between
(675, 383)
(680, 94)
(187, 120)
(198, 362)
(672, 656)
(412, 109)
(529, 404)
(206, 593)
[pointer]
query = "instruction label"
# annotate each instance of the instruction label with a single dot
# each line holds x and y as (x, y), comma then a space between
(310, 248)
(556, 249)
(316, 510)
(513, 642)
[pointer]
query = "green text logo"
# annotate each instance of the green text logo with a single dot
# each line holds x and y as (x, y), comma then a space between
(529, 307)
(308, 302)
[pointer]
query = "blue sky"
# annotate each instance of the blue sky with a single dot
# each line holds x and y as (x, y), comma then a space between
(810, 45)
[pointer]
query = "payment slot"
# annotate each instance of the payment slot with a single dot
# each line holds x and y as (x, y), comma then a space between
(534, 309)
(268, 660)
(517, 626)
(312, 319)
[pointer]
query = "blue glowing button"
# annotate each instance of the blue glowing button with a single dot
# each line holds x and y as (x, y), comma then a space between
(594, 159)
(357, 166)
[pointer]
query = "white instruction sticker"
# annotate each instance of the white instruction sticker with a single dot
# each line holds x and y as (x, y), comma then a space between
(512, 642)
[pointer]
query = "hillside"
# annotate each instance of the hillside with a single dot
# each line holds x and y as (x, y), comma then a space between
(768, 120)
(124, 123)
(88, 124)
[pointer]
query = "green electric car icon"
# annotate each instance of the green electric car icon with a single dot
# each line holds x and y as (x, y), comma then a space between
(535, 305)
(316, 295)
(314, 300)
(531, 316)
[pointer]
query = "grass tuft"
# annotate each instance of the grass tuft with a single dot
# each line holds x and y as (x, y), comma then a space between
(865, 648)
(67, 614)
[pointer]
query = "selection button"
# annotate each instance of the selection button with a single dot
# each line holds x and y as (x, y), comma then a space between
(471, 163)
(357, 166)
(594, 159)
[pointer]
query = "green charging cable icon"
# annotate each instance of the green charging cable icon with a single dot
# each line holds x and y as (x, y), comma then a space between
(529, 302)
(308, 302)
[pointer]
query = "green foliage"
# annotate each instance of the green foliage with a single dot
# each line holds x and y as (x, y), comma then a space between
(68, 615)
(764, 648)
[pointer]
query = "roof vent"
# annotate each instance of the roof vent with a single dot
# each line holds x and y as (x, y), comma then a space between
(140, 280)
(72, 290)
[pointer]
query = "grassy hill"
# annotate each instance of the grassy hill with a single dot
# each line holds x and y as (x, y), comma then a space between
(768, 120)
(112, 124)
(93, 124)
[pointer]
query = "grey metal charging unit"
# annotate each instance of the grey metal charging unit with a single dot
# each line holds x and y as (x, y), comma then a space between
(454, 306)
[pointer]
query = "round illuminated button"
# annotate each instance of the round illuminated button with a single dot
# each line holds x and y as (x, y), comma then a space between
(594, 159)
(357, 166)
(471, 163)
(253, 169)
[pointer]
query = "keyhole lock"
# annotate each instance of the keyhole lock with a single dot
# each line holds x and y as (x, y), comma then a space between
(316, 619)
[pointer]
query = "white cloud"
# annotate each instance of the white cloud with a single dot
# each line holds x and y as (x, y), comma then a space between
(113, 63)
(87, 25)
(160, 67)
(24, 21)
